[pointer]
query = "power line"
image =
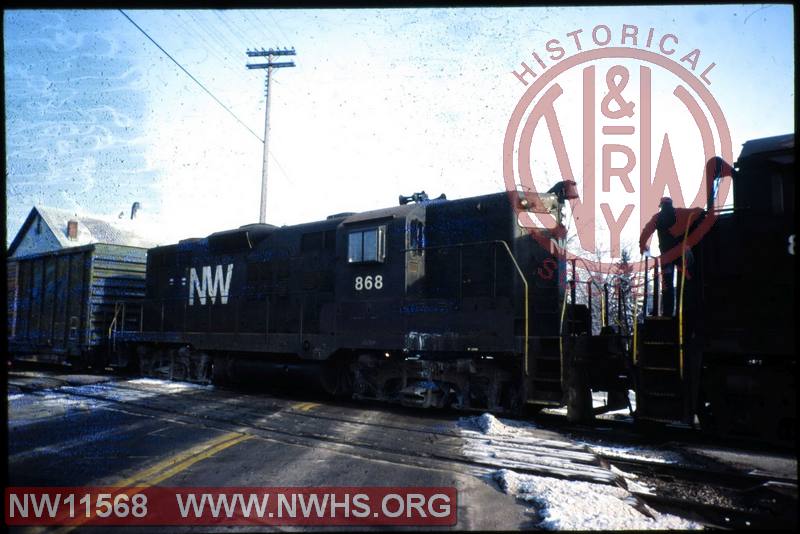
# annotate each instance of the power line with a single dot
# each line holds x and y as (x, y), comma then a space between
(217, 100)
(210, 48)
(259, 29)
(285, 174)
(278, 26)
(211, 29)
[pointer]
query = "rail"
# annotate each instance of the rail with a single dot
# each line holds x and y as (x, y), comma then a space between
(683, 290)
(645, 295)
(636, 321)
(120, 318)
(112, 327)
(656, 311)
(561, 335)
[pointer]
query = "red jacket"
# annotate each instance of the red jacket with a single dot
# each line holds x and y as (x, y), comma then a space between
(684, 217)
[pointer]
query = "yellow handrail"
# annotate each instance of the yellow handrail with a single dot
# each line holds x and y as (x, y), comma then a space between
(603, 309)
(561, 336)
(525, 283)
(680, 297)
(635, 323)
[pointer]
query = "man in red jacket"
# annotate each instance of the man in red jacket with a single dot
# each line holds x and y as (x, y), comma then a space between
(671, 225)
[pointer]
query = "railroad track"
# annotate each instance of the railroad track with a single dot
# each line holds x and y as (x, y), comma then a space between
(740, 500)
(721, 498)
(656, 435)
(427, 447)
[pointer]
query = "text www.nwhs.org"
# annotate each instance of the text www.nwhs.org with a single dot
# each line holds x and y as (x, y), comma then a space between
(231, 506)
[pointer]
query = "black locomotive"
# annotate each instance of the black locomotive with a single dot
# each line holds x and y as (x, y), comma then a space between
(453, 303)
(728, 359)
(430, 303)
(438, 302)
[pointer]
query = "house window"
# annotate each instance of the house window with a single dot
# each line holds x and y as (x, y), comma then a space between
(366, 245)
(38, 225)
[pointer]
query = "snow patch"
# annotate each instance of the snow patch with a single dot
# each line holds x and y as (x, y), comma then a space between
(166, 385)
(578, 505)
(586, 498)
(630, 452)
(54, 400)
(492, 426)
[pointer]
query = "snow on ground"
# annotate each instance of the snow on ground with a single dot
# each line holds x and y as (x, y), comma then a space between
(599, 399)
(489, 424)
(166, 385)
(28, 408)
(630, 480)
(56, 402)
(577, 505)
(631, 452)
(562, 504)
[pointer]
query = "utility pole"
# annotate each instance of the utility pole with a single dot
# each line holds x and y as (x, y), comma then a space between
(269, 65)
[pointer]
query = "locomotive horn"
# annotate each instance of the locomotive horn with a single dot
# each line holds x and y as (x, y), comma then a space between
(422, 196)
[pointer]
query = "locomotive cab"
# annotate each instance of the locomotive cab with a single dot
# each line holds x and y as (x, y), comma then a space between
(727, 360)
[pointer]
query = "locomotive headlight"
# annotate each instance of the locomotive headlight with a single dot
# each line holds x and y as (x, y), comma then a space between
(524, 203)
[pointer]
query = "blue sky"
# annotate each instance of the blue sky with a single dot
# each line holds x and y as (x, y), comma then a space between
(381, 103)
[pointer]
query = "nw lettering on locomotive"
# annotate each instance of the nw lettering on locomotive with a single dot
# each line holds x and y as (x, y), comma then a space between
(208, 286)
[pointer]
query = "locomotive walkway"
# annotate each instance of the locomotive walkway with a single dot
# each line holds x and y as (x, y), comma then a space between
(84, 430)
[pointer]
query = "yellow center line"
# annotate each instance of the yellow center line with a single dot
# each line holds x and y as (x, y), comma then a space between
(305, 406)
(172, 461)
(171, 467)
(193, 460)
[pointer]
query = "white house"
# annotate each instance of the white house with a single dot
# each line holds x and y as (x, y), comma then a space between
(48, 229)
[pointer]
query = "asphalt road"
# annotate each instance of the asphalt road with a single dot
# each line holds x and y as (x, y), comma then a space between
(87, 430)
(56, 438)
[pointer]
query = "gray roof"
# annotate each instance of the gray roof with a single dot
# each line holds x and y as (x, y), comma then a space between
(91, 229)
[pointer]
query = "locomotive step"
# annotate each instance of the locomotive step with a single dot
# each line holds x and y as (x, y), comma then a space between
(544, 402)
(671, 369)
(656, 419)
(548, 397)
(660, 330)
(658, 354)
(660, 394)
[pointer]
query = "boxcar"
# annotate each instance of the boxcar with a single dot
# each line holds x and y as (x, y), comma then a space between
(63, 304)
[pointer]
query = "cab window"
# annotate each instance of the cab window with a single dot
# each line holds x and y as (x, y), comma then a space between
(368, 245)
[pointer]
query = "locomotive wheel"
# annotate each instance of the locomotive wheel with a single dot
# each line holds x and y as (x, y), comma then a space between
(705, 414)
(219, 371)
(337, 378)
(513, 398)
